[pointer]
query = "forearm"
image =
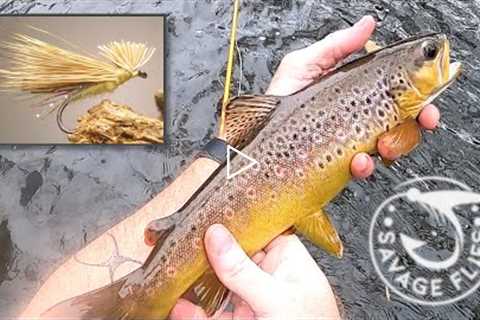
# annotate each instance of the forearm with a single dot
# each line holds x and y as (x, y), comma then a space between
(121, 249)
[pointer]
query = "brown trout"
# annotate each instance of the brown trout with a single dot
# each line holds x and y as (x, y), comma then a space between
(304, 144)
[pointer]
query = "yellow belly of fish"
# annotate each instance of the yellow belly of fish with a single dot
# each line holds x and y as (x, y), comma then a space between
(266, 220)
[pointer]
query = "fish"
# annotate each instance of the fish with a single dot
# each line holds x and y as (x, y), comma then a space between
(304, 144)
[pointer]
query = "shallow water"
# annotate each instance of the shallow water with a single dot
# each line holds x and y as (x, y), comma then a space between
(54, 199)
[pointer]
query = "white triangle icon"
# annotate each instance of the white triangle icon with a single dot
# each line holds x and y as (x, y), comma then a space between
(251, 162)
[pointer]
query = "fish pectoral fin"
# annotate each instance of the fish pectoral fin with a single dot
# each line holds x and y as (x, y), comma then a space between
(401, 140)
(320, 230)
(157, 230)
(211, 294)
(245, 115)
(371, 46)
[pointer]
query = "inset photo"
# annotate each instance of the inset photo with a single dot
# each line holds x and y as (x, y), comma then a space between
(82, 79)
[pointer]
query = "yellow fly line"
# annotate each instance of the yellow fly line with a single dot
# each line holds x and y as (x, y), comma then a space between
(230, 61)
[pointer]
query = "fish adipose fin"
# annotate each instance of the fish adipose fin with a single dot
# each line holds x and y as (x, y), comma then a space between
(371, 46)
(211, 294)
(157, 230)
(245, 116)
(320, 231)
(402, 139)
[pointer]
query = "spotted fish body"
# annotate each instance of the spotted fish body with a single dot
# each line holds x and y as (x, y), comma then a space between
(304, 145)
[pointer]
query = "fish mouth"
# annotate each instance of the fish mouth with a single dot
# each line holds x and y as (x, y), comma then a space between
(449, 71)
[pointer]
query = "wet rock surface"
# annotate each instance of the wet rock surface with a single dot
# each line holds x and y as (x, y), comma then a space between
(54, 199)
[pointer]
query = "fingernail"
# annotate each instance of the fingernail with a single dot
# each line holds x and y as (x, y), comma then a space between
(219, 239)
(364, 20)
(363, 162)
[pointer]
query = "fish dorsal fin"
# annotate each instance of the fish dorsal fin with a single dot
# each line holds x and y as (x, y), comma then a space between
(402, 139)
(320, 231)
(245, 115)
(210, 293)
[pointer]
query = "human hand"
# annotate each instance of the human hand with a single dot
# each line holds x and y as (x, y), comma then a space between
(280, 282)
(300, 68)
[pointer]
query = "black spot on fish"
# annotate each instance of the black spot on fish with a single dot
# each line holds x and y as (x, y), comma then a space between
(302, 105)
(358, 129)
(366, 112)
(291, 146)
(328, 158)
(386, 105)
(231, 198)
(193, 228)
(267, 175)
(307, 115)
(368, 100)
(321, 113)
(286, 154)
(339, 152)
(304, 129)
(353, 103)
(293, 122)
(342, 101)
(163, 259)
(355, 115)
(401, 81)
(312, 98)
(318, 125)
(381, 113)
(320, 165)
(379, 72)
(395, 117)
(295, 136)
(337, 90)
(333, 117)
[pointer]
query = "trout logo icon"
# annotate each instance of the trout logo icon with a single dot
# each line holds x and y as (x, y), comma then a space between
(435, 265)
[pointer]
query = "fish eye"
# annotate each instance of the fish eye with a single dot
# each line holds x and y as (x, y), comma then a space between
(430, 50)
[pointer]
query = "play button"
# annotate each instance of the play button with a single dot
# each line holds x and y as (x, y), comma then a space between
(231, 152)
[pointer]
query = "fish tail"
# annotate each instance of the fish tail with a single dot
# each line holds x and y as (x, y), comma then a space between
(103, 303)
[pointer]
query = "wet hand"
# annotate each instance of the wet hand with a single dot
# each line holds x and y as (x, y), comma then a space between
(280, 282)
(300, 68)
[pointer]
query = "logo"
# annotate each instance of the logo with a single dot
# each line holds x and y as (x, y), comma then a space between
(425, 241)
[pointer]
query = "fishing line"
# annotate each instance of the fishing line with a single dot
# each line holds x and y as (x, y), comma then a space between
(230, 60)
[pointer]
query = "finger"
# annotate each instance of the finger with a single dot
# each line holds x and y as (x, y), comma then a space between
(338, 45)
(184, 310)
(362, 165)
(243, 311)
(429, 117)
(258, 257)
(237, 272)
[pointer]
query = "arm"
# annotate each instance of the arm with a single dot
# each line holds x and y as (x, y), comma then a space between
(90, 269)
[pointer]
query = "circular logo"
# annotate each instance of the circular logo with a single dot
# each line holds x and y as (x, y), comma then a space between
(425, 241)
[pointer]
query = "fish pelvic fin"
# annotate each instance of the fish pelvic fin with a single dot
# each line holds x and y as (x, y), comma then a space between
(246, 115)
(103, 303)
(401, 139)
(320, 231)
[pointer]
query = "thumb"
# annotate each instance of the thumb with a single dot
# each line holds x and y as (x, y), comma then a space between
(238, 273)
